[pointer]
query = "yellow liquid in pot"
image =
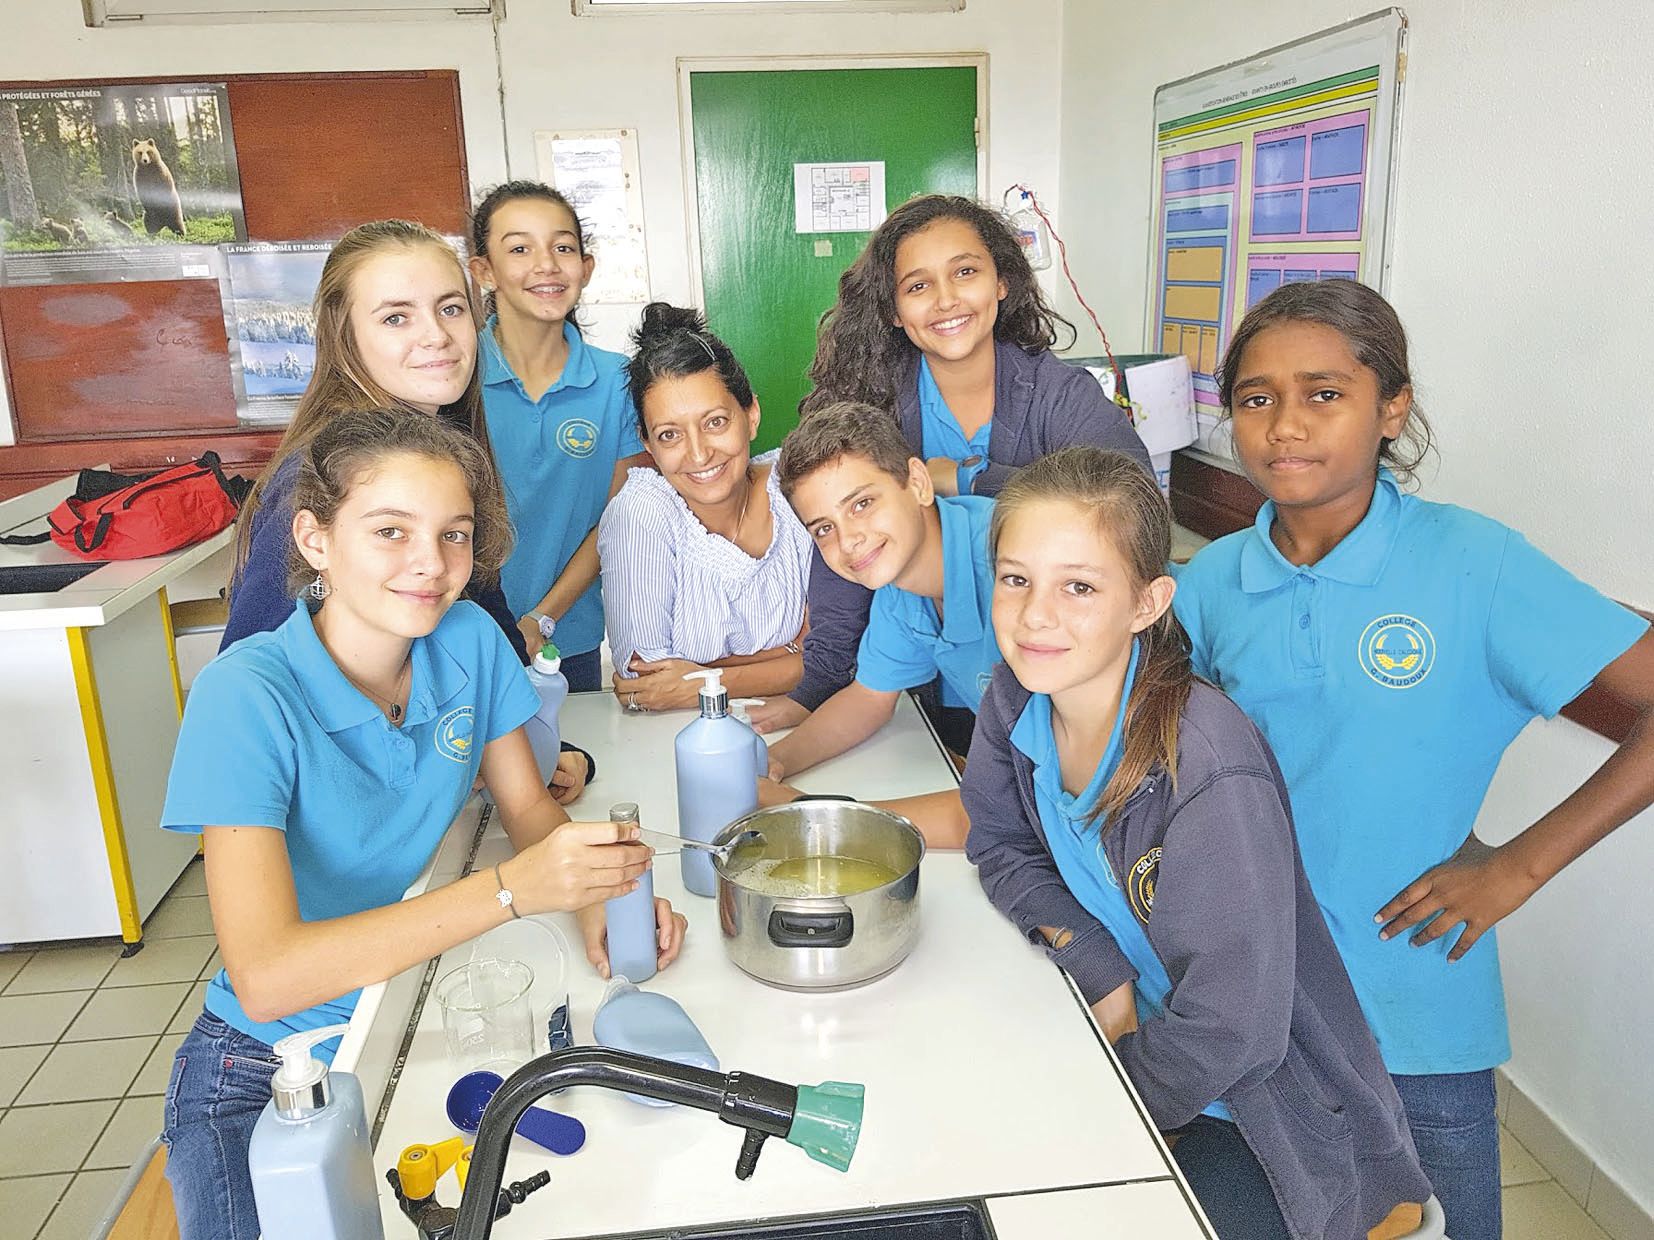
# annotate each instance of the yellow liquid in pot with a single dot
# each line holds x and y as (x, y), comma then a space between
(817, 876)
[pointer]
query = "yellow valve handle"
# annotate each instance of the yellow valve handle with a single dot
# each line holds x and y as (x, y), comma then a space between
(463, 1167)
(421, 1166)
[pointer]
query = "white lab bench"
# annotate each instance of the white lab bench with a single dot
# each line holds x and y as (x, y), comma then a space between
(89, 707)
(986, 1078)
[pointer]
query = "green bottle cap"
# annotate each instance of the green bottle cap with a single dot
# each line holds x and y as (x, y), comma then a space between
(827, 1122)
(549, 651)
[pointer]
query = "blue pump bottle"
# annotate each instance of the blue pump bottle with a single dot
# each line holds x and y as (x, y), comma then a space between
(310, 1160)
(717, 777)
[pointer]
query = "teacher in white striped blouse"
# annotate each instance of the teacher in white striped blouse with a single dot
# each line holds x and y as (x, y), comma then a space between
(704, 563)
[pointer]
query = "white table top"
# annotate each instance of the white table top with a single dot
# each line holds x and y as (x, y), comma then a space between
(985, 1077)
(102, 594)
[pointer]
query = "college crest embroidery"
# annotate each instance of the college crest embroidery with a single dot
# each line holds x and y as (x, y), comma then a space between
(577, 437)
(1397, 650)
(453, 734)
(1140, 883)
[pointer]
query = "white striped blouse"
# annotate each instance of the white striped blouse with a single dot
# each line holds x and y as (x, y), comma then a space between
(674, 590)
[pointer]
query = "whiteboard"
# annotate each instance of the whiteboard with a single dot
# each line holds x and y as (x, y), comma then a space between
(1268, 170)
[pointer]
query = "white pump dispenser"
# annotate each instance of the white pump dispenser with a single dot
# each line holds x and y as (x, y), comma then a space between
(310, 1161)
(761, 751)
(714, 697)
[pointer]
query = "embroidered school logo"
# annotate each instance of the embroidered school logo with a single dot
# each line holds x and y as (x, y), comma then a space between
(1140, 883)
(577, 437)
(983, 680)
(453, 734)
(1397, 651)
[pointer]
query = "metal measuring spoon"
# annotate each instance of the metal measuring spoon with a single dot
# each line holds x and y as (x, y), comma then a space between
(736, 854)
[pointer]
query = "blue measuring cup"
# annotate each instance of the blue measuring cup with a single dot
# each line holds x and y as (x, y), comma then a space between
(468, 1098)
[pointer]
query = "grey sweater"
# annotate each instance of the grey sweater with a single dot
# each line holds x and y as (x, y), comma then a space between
(1041, 403)
(1261, 1013)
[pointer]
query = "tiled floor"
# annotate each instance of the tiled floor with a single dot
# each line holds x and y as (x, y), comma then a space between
(86, 1043)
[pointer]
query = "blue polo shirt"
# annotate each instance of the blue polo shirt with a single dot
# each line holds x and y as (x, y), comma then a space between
(557, 456)
(941, 434)
(1076, 843)
(1389, 678)
(275, 736)
(905, 644)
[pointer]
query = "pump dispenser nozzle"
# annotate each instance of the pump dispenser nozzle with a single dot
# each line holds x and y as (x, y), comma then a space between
(714, 697)
(300, 1084)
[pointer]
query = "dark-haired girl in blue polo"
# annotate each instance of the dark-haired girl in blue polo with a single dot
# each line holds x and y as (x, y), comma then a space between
(322, 763)
(1391, 649)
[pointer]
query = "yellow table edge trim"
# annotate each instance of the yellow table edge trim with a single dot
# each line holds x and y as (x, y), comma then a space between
(103, 781)
(172, 651)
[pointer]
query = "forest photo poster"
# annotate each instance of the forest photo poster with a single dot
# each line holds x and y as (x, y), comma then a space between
(115, 182)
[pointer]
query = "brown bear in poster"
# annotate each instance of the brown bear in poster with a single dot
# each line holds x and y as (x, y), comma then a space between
(155, 189)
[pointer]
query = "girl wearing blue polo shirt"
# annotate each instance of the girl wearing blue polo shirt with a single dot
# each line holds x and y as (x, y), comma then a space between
(323, 762)
(561, 422)
(1133, 821)
(1391, 649)
(941, 322)
(394, 329)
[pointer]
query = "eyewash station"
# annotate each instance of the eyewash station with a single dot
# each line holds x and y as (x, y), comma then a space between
(928, 1074)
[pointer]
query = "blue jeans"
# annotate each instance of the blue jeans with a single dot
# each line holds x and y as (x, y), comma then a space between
(1228, 1181)
(584, 672)
(220, 1083)
(1456, 1130)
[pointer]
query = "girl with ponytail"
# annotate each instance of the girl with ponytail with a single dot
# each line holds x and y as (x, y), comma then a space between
(1131, 820)
(704, 563)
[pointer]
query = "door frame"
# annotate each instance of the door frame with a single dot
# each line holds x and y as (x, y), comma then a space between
(688, 65)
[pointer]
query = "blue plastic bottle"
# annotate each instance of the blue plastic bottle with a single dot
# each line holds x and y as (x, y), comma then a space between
(631, 918)
(552, 687)
(629, 1019)
(717, 777)
(310, 1160)
(761, 751)
(545, 674)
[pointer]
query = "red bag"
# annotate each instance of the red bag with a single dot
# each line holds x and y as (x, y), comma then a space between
(124, 517)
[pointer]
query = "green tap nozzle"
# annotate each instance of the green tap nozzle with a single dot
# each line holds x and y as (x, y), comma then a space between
(827, 1122)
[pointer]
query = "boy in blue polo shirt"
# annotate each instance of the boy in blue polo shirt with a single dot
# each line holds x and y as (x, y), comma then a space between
(1391, 649)
(560, 419)
(868, 504)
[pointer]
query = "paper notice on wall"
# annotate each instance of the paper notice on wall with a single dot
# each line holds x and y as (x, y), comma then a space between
(844, 197)
(597, 171)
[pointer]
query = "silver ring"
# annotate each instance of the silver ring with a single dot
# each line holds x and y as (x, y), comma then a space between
(631, 703)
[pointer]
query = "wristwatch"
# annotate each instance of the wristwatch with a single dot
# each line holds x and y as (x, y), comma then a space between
(504, 896)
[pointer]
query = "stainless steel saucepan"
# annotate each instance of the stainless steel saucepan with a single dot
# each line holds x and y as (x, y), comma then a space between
(833, 901)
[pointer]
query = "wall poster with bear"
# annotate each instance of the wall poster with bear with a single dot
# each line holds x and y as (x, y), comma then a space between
(107, 183)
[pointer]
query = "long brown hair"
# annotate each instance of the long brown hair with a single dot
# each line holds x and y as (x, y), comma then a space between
(860, 353)
(1372, 330)
(347, 447)
(340, 382)
(1130, 512)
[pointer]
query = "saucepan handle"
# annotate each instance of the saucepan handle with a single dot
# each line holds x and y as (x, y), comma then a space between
(797, 928)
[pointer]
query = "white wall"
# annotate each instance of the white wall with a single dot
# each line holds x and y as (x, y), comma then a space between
(1524, 270)
(565, 72)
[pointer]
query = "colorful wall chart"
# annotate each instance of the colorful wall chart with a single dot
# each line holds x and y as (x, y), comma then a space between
(1268, 171)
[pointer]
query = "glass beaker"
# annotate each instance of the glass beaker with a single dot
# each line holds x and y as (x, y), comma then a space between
(487, 1016)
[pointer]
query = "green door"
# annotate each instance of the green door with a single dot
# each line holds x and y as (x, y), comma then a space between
(765, 283)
